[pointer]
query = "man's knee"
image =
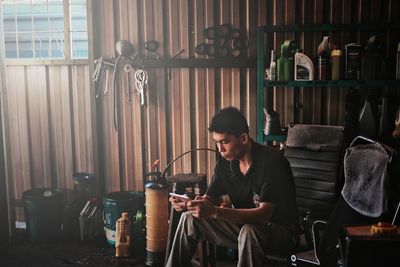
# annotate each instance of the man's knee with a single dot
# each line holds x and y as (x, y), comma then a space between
(186, 221)
(186, 217)
(248, 231)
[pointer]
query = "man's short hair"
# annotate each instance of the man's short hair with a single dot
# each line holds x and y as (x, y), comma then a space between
(229, 121)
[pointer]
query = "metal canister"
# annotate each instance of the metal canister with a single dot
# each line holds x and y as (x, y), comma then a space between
(156, 191)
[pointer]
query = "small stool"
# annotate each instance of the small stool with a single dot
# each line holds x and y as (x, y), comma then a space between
(192, 184)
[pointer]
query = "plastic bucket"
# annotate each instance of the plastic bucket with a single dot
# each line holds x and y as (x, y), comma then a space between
(44, 218)
(114, 204)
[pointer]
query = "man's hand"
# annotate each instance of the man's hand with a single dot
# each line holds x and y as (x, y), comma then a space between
(202, 207)
(178, 204)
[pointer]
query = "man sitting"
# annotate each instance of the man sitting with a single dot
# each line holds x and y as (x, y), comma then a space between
(259, 182)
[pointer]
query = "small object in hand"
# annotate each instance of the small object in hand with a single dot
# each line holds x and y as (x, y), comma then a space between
(180, 197)
(384, 229)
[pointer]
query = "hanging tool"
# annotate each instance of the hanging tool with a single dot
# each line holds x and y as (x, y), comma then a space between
(141, 78)
(96, 72)
(151, 47)
(107, 69)
(201, 49)
(128, 69)
(99, 82)
(125, 50)
(102, 65)
(173, 56)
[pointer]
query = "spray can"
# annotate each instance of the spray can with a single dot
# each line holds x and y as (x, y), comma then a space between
(123, 236)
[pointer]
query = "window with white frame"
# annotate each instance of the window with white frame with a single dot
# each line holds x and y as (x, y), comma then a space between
(45, 29)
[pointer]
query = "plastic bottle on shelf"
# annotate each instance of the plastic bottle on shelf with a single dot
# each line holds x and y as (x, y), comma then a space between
(272, 67)
(123, 236)
(285, 62)
(336, 63)
(324, 52)
(353, 61)
(303, 67)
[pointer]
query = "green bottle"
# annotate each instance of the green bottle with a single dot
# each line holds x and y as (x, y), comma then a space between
(285, 62)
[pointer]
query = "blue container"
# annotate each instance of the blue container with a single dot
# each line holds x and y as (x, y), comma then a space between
(114, 204)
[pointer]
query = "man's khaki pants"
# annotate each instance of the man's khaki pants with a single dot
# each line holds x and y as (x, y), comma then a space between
(251, 240)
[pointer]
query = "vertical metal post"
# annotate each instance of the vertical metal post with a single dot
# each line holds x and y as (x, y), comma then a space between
(260, 84)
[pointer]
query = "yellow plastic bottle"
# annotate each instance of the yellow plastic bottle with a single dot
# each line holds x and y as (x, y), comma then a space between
(123, 236)
(336, 63)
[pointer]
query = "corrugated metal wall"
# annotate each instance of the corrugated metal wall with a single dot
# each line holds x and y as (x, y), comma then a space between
(55, 131)
(179, 109)
(50, 125)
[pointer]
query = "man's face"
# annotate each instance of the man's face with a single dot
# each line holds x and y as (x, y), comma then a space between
(230, 146)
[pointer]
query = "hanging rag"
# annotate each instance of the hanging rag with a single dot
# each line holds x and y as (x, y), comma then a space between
(366, 178)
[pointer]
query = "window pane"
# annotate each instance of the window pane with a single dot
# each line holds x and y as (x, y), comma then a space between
(78, 17)
(25, 45)
(8, 10)
(7, 2)
(35, 28)
(9, 25)
(24, 24)
(79, 45)
(56, 10)
(39, 11)
(57, 44)
(23, 10)
(10, 45)
(39, 1)
(78, 23)
(82, 2)
(42, 45)
(56, 24)
(78, 10)
(24, 18)
(41, 24)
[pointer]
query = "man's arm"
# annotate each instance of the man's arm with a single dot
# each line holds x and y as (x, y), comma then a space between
(204, 208)
(261, 214)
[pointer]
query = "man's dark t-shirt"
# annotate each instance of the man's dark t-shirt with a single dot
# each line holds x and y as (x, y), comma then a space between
(269, 179)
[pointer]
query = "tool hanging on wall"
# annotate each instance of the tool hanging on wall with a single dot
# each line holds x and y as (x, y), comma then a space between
(173, 56)
(107, 69)
(226, 41)
(151, 47)
(128, 69)
(102, 65)
(125, 50)
(141, 78)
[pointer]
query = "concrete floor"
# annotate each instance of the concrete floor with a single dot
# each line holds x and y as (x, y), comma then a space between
(68, 254)
(98, 253)
(63, 254)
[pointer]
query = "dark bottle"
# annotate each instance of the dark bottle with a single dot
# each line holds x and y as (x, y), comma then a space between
(323, 66)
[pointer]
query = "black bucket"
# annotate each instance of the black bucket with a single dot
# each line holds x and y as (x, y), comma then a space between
(43, 211)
